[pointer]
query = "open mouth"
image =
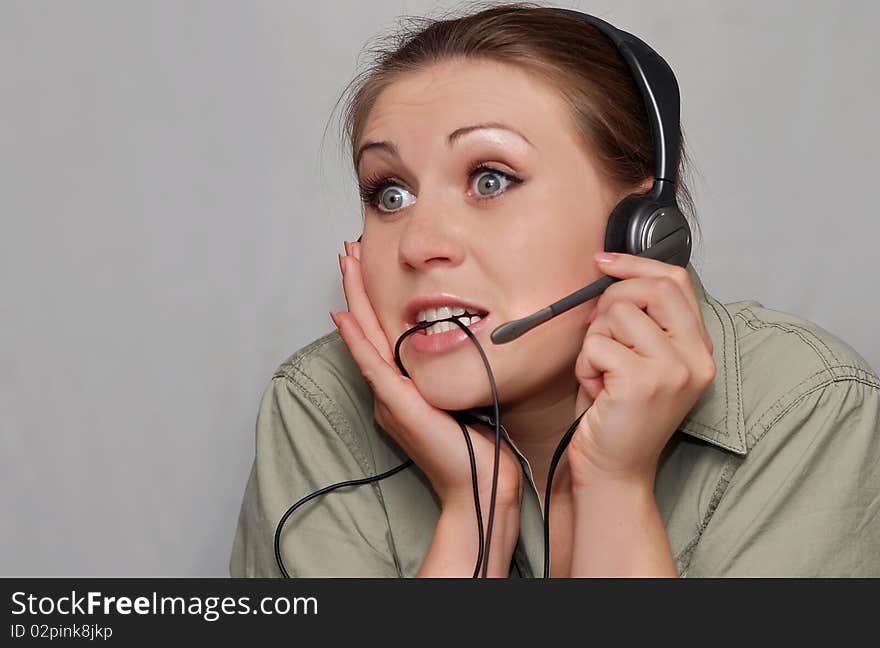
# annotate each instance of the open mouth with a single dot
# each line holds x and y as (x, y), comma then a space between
(440, 317)
(442, 327)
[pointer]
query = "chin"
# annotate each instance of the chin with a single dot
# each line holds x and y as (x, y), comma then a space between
(452, 395)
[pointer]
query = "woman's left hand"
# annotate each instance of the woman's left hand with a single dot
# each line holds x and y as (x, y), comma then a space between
(645, 361)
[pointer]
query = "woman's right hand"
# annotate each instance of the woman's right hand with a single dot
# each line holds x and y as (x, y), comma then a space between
(428, 435)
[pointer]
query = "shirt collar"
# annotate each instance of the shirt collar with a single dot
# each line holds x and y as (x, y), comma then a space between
(717, 417)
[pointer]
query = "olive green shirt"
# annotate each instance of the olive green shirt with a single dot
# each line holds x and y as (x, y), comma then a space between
(775, 471)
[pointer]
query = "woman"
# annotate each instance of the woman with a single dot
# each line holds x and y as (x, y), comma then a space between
(716, 439)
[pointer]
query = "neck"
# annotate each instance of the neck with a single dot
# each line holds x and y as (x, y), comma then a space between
(538, 424)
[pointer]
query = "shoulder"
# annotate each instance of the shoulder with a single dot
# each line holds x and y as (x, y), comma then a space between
(309, 437)
(811, 411)
(786, 360)
(320, 387)
(326, 372)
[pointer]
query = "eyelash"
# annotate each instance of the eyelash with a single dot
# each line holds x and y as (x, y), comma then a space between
(372, 187)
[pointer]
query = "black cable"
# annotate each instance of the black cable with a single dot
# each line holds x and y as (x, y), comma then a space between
(455, 319)
(467, 438)
(557, 455)
(366, 480)
(482, 557)
(326, 489)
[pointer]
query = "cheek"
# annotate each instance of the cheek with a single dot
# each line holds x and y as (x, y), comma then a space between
(561, 228)
(381, 294)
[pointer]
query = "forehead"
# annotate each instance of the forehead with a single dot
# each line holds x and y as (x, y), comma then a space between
(448, 95)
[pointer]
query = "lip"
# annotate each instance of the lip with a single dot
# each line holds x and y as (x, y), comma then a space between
(433, 301)
(446, 341)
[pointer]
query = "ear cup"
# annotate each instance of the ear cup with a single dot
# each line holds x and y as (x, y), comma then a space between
(618, 228)
(655, 222)
(637, 222)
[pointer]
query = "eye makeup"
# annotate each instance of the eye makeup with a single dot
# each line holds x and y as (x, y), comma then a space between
(372, 187)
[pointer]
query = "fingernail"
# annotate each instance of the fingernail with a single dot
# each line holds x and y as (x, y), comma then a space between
(347, 250)
(356, 250)
(605, 257)
(341, 265)
(333, 317)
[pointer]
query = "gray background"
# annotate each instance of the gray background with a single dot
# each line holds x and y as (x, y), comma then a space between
(170, 223)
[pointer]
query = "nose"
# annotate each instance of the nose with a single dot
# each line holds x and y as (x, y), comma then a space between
(432, 237)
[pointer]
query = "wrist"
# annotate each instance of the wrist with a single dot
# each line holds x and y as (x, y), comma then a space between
(618, 530)
(457, 531)
(586, 473)
(506, 505)
(625, 492)
(508, 497)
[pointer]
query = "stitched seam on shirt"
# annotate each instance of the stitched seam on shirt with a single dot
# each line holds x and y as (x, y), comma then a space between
(335, 417)
(724, 361)
(859, 374)
(800, 328)
(304, 353)
(340, 417)
(787, 328)
(800, 397)
(785, 406)
(683, 559)
(352, 445)
(711, 302)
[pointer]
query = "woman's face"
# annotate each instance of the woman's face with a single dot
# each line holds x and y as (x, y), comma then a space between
(509, 245)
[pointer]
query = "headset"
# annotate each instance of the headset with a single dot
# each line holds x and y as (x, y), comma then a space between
(649, 225)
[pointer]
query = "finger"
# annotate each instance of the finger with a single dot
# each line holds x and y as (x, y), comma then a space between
(628, 266)
(413, 421)
(664, 302)
(601, 356)
(391, 388)
(605, 364)
(633, 327)
(359, 305)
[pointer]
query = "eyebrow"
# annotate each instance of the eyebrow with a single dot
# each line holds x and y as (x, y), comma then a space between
(391, 149)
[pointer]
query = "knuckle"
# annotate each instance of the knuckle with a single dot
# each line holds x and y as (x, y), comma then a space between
(668, 285)
(582, 372)
(618, 309)
(680, 276)
(678, 376)
(709, 371)
(682, 377)
(591, 344)
(610, 293)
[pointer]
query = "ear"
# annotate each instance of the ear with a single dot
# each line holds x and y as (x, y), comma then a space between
(646, 185)
(642, 188)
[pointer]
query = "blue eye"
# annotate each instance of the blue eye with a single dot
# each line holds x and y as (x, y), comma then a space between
(373, 190)
(391, 196)
(489, 181)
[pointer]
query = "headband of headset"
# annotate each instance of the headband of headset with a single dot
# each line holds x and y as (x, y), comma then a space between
(660, 92)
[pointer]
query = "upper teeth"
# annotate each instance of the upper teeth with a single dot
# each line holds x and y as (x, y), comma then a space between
(442, 312)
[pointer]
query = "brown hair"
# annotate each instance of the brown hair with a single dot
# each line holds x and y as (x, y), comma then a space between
(606, 106)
